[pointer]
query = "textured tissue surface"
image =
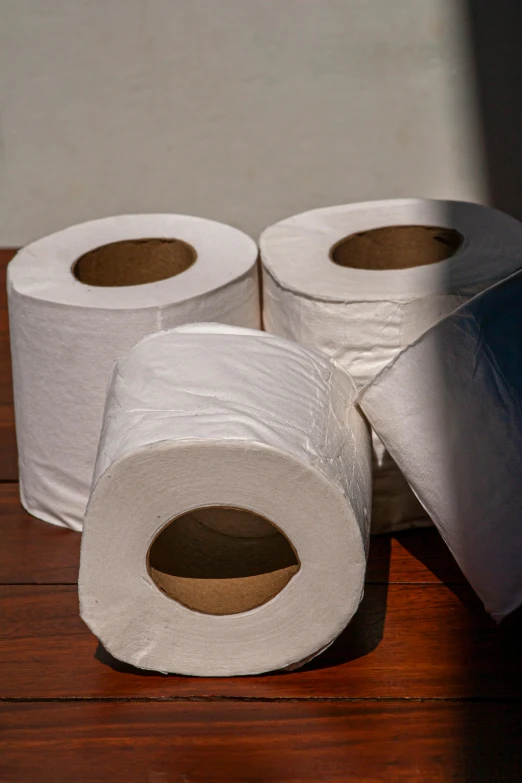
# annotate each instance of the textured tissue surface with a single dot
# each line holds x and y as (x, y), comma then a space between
(449, 409)
(364, 318)
(307, 411)
(266, 425)
(65, 337)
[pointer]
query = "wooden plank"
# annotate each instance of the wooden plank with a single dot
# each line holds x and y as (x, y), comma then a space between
(34, 552)
(8, 453)
(413, 556)
(6, 387)
(258, 743)
(6, 254)
(431, 561)
(8, 450)
(406, 641)
(6, 394)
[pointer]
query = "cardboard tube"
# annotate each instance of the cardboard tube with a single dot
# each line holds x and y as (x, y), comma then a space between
(218, 571)
(134, 262)
(81, 298)
(396, 247)
(364, 281)
(228, 524)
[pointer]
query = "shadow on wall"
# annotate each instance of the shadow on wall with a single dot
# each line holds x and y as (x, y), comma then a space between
(494, 32)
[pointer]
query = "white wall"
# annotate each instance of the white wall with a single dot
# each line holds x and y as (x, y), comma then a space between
(241, 110)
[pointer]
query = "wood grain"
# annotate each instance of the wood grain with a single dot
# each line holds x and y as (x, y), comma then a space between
(412, 556)
(421, 686)
(8, 453)
(236, 742)
(33, 551)
(8, 450)
(416, 556)
(6, 392)
(406, 641)
(431, 561)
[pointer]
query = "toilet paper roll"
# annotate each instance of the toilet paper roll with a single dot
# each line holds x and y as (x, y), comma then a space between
(453, 402)
(79, 299)
(363, 281)
(228, 523)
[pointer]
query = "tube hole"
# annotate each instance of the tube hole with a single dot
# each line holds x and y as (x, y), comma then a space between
(134, 262)
(396, 247)
(220, 560)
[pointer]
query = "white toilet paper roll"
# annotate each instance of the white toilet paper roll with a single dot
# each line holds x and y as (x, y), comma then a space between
(453, 402)
(228, 524)
(79, 299)
(363, 281)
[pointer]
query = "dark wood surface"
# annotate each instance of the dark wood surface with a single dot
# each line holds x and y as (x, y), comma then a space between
(8, 459)
(243, 742)
(422, 686)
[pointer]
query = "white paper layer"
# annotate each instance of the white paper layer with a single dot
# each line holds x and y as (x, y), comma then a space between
(65, 337)
(449, 409)
(364, 318)
(215, 416)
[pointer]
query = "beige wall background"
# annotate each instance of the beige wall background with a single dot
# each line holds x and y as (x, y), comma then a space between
(244, 111)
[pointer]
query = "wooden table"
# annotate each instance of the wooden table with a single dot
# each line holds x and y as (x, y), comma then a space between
(422, 686)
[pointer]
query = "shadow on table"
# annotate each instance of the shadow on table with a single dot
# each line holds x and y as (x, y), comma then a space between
(365, 631)
(103, 656)
(360, 638)
(428, 547)
(489, 747)
(492, 749)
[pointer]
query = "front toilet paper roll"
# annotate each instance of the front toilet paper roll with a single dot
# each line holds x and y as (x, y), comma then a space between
(363, 281)
(228, 523)
(453, 401)
(82, 297)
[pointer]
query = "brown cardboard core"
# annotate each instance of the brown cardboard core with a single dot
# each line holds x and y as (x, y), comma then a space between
(396, 247)
(221, 560)
(134, 262)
